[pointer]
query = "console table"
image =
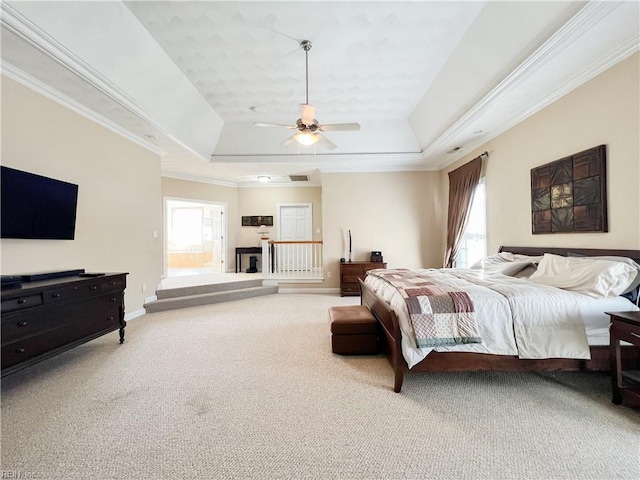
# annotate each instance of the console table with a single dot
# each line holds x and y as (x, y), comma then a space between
(41, 319)
(242, 251)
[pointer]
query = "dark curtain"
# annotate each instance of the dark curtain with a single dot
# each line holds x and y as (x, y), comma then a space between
(462, 183)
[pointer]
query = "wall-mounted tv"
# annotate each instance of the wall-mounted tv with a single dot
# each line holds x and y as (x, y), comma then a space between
(36, 207)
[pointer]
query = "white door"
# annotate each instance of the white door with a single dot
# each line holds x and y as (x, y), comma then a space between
(295, 224)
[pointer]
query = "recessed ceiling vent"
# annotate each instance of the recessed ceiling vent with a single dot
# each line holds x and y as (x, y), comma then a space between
(299, 178)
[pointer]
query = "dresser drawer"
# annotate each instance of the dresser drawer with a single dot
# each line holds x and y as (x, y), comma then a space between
(30, 347)
(351, 269)
(18, 325)
(350, 278)
(113, 284)
(72, 292)
(19, 303)
(350, 288)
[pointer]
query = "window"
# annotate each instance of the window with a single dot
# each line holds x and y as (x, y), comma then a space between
(474, 241)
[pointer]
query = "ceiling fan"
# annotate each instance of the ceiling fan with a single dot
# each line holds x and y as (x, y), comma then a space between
(307, 126)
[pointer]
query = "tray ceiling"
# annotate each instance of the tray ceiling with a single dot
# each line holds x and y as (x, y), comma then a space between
(427, 81)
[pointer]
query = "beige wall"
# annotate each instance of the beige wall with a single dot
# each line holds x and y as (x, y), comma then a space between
(606, 110)
(118, 196)
(396, 213)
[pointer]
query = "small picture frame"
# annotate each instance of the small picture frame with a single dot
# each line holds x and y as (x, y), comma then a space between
(246, 221)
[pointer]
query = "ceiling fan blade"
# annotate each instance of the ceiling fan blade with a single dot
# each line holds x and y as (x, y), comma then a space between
(335, 127)
(308, 112)
(326, 143)
(289, 141)
(260, 124)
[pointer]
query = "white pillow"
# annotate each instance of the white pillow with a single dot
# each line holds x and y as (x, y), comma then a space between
(504, 262)
(597, 278)
(629, 261)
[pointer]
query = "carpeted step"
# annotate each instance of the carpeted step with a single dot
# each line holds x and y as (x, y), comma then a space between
(208, 298)
(209, 288)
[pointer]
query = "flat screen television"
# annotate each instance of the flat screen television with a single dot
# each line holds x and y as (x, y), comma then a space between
(36, 207)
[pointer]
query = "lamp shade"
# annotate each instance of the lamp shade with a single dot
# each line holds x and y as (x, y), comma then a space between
(263, 232)
(306, 138)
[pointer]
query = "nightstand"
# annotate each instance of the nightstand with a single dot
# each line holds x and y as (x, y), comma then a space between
(625, 326)
(350, 272)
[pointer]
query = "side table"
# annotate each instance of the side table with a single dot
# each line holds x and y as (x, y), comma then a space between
(245, 250)
(350, 272)
(625, 326)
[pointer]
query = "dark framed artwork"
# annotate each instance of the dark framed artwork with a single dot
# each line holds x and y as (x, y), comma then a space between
(570, 194)
(257, 220)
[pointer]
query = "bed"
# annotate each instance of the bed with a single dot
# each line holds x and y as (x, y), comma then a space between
(581, 344)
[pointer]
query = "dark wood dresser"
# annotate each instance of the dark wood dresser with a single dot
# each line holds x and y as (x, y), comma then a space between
(350, 272)
(44, 318)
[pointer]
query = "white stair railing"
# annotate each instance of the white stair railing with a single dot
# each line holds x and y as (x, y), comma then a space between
(292, 260)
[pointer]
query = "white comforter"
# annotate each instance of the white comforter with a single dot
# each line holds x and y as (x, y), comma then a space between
(515, 316)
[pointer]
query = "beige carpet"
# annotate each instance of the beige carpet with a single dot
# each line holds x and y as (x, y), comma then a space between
(250, 389)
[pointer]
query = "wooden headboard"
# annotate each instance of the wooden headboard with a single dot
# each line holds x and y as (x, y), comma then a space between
(565, 251)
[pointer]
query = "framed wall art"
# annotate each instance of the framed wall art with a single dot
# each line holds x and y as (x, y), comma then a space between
(257, 220)
(570, 194)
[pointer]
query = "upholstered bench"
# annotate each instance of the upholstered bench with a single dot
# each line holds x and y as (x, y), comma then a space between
(354, 330)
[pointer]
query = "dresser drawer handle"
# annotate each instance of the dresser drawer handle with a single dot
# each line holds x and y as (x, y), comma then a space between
(20, 350)
(55, 295)
(22, 301)
(110, 318)
(23, 324)
(112, 283)
(113, 299)
(93, 287)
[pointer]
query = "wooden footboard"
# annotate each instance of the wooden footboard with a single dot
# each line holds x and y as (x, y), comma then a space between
(390, 329)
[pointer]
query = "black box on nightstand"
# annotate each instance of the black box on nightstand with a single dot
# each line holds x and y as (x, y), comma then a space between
(376, 256)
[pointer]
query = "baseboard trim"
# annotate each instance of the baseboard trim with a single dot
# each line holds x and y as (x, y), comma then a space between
(325, 291)
(135, 314)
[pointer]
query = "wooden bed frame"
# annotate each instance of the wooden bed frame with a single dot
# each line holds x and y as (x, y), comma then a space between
(463, 361)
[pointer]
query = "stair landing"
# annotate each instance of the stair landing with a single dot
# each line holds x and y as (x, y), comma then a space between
(195, 291)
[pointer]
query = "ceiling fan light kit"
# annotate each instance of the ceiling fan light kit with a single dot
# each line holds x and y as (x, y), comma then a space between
(307, 125)
(306, 138)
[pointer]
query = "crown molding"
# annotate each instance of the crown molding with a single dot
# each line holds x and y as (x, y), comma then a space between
(622, 52)
(190, 178)
(577, 26)
(23, 28)
(338, 157)
(45, 90)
